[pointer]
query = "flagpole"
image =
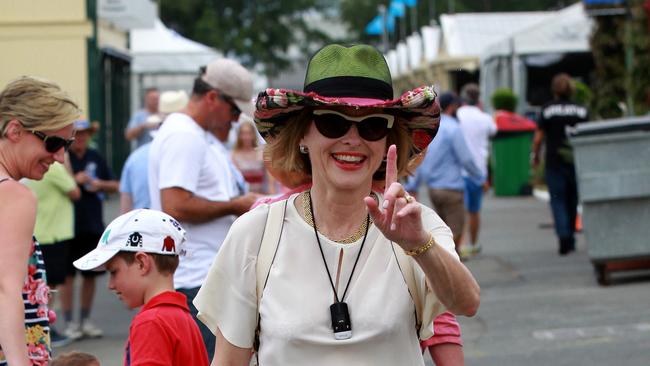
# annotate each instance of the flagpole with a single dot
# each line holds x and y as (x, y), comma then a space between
(414, 19)
(384, 28)
(432, 12)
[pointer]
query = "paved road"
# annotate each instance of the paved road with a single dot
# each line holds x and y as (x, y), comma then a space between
(536, 308)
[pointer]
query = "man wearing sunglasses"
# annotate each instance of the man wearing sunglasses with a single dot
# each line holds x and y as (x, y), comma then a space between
(188, 181)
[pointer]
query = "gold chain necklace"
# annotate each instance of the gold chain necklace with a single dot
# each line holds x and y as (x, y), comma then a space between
(306, 209)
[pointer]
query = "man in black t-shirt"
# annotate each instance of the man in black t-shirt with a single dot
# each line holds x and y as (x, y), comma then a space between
(95, 179)
(559, 169)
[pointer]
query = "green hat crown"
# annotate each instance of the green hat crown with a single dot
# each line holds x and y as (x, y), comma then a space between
(349, 71)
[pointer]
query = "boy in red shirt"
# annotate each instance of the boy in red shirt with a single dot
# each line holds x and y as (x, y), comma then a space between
(140, 251)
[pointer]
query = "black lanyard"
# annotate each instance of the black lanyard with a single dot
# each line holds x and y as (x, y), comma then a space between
(311, 208)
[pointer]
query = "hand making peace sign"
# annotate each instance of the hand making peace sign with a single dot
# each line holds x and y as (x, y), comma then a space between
(400, 218)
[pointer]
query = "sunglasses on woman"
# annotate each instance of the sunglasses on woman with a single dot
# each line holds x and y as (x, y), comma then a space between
(371, 127)
(53, 143)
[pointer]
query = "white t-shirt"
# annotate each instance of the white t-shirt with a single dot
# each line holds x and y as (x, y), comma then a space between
(477, 127)
(294, 308)
(237, 186)
(181, 156)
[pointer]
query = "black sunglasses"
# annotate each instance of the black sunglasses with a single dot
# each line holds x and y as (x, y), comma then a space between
(233, 106)
(53, 143)
(371, 127)
(226, 98)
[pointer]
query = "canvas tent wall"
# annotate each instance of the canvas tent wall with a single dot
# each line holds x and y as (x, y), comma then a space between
(561, 38)
(164, 59)
(466, 35)
(462, 39)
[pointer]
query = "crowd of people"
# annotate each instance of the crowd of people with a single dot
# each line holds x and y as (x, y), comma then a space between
(281, 245)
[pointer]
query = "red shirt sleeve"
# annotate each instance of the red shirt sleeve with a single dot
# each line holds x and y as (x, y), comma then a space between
(445, 330)
(149, 345)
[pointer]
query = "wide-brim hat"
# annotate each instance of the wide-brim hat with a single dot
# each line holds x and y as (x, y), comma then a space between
(351, 76)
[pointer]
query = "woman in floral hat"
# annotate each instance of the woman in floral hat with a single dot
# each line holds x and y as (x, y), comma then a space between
(36, 119)
(358, 269)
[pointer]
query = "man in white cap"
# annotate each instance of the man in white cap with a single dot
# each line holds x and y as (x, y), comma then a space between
(188, 183)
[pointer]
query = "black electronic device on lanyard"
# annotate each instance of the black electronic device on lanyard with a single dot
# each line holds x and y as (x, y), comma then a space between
(341, 323)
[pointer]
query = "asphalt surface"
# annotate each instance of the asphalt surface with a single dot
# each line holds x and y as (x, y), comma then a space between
(537, 308)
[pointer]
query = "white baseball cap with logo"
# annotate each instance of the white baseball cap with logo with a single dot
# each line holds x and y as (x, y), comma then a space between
(141, 230)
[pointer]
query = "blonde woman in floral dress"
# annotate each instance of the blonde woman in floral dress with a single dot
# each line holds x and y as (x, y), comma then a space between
(35, 130)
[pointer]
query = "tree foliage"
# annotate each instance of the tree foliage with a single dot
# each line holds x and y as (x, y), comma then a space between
(254, 31)
(609, 49)
(504, 99)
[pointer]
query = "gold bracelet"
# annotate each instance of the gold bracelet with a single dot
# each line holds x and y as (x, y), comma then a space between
(419, 250)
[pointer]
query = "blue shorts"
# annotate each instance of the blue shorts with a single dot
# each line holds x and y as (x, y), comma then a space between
(473, 196)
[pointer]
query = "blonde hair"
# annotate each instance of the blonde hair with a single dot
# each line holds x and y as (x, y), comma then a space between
(282, 150)
(283, 154)
(37, 104)
(239, 144)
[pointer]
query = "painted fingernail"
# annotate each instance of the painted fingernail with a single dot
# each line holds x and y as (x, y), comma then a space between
(385, 204)
(393, 226)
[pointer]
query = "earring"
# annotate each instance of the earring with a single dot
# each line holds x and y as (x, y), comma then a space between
(303, 149)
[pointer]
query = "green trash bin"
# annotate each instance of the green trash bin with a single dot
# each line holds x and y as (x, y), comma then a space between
(511, 163)
(510, 158)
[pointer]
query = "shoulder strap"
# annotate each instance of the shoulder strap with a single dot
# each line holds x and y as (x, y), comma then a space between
(406, 266)
(269, 245)
(266, 255)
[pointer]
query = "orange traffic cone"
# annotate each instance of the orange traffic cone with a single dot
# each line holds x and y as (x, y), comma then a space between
(578, 223)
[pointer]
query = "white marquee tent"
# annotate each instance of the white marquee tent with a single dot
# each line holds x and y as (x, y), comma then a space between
(169, 61)
(469, 34)
(503, 63)
(164, 59)
(161, 50)
(457, 43)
